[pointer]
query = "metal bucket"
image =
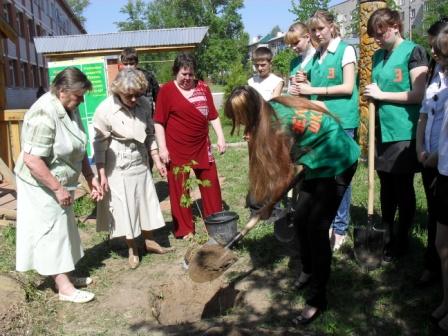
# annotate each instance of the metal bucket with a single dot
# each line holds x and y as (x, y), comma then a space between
(222, 226)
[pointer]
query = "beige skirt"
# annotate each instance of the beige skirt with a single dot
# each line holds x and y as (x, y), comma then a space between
(132, 204)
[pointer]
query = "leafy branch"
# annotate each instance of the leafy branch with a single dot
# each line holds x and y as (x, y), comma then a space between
(189, 182)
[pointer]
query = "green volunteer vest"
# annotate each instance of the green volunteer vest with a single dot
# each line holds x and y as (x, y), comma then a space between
(320, 143)
(296, 65)
(398, 122)
(330, 73)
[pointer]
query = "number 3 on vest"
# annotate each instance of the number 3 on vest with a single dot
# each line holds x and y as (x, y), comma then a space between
(331, 73)
(398, 75)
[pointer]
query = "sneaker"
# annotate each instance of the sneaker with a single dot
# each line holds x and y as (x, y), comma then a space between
(78, 296)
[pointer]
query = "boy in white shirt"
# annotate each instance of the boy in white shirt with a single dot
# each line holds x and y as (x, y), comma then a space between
(265, 82)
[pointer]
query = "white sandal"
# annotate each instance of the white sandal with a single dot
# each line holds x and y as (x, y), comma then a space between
(80, 281)
(78, 296)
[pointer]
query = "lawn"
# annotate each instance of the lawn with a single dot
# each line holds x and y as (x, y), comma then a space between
(381, 302)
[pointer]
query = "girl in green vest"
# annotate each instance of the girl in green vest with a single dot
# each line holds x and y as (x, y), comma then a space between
(332, 80)
(299, 39)
(288, 133)
(398, 84)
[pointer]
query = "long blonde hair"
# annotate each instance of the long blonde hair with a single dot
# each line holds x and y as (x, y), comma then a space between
(270, 165)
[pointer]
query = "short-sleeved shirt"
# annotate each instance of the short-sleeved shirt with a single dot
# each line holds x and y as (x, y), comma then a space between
(48, 132)
(320, 143)
(433, 105)
(265, 86)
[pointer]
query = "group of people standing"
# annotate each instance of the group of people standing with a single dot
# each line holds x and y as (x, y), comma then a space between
(317, 123)
(311, 131)
(126, 144)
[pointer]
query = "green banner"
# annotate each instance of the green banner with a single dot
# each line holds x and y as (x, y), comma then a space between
(95, 70)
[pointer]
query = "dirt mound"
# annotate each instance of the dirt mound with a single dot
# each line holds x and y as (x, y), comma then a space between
(209, 262)
(13, 316)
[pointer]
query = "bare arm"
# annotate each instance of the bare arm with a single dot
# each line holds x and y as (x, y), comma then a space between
(344, 89)
(161, 141)
(278, 89)
(414, 96)
(221, 143)
(41, 173)
(420, 137)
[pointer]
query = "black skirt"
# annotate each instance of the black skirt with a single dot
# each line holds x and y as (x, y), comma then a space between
(396, 157)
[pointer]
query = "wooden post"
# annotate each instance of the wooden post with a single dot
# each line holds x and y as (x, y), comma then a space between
(367, 47)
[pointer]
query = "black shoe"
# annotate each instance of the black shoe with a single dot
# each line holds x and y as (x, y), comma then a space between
(388, 256)
(302, 320)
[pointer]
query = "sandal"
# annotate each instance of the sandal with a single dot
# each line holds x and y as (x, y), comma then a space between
(303, 320)
(153, 247)
(80, 281)
(302, 281)
(78, 296)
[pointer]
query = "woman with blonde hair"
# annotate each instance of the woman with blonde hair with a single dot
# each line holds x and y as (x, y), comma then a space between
(124, 139)
(332, 80)
(299, 39)
(287, 134)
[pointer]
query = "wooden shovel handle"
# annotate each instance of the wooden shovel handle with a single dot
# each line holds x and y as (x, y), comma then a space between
(371, 159)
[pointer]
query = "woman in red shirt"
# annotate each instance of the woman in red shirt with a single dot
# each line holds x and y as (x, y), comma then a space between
(184, 109)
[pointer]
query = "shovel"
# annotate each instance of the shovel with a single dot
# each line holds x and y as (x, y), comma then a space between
(210, 261)
(369, 239)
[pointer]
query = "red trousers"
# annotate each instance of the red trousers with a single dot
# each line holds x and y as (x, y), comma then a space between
(211, 198)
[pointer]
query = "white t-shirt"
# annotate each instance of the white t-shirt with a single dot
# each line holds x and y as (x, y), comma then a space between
(265, 86)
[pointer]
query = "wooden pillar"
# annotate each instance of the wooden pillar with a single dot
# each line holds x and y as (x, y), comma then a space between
(367, 47)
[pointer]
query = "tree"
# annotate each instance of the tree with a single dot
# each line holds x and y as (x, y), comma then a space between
(226, 41)
(282, 61)
(354, 27)
(137, 12)
(433, 11)
(275, 30)
(304, 9)
(78, 7)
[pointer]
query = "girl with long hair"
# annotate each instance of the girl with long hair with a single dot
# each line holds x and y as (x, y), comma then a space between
(288, 134)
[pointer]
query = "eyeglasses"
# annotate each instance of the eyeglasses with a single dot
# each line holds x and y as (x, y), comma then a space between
(129, 63)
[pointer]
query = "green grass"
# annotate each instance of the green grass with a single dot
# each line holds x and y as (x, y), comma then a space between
(381, 302)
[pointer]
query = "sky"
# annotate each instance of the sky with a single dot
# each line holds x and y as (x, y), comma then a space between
(259, 16)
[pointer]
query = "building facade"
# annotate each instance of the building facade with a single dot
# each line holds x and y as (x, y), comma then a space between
(25, 70)
(411, 13)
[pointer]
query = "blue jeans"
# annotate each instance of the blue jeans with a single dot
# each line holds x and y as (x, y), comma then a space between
(342, 219)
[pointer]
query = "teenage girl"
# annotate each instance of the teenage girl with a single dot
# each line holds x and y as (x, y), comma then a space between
(289, 131)
(332, 80)
(398, 85)
(298, 38)
(441, 197)
(428, 133)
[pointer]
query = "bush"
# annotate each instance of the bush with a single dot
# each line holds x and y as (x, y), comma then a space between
(237, 76)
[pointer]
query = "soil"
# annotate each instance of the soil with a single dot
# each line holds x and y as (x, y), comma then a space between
(209, 262)
(13, 315)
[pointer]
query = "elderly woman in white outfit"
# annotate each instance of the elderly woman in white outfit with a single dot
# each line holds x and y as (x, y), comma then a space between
(47, 170)
(123, 141)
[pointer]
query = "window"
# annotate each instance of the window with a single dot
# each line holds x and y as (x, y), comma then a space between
(31, 29)
(12, 73)
(402, 16)
(7, 12)
(412, 13)
(19, 24)
(24, 74)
